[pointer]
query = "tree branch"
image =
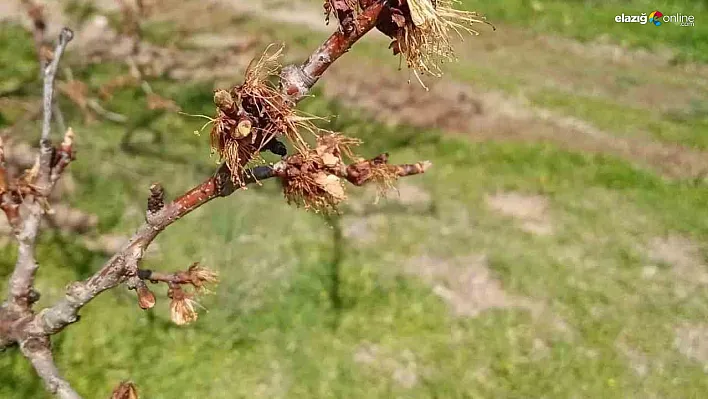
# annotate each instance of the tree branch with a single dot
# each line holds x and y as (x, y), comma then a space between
(38, 351)
(124, 264)
(45, 144)
(296, 81)
(21, 295)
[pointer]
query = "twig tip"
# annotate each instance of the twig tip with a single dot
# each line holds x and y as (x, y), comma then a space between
(66, 35)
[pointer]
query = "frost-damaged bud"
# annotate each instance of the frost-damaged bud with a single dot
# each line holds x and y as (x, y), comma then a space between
(251, 115)
(243, 128)
(182, 306)
(146, 299)
(378, 171)
(344, 10)
(223, 99)
(200, 276)
(312, 178)
(68, 142)
(421, 31)
(125, 390)
(156, 201)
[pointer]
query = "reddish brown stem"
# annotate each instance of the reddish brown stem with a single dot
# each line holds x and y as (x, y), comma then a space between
(297, 81)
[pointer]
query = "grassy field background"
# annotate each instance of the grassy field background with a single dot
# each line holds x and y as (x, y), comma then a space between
(557, 249)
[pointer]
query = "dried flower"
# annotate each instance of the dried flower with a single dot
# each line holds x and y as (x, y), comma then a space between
(421, 30)
(252, 114)
(342, 9)
(312, 179)
(200, 276)
(375, 170)
(182, 306)
(223, 99)
(125, 390)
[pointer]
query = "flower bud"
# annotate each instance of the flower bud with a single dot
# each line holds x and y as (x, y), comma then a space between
(146, 299)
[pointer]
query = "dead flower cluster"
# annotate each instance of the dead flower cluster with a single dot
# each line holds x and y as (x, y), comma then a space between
(182, 303)
(315, 179)
(422, 31)
(249, 116)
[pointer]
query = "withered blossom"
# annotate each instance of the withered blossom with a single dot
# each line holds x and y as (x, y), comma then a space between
(182, 306)
(200, 276)
(422, 31)
(315, 179)
(249, 116)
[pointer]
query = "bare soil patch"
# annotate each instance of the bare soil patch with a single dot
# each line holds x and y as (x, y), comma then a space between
(682, 255)
(482, 114)
(466, 284)
(402, 368)
(364, 217)
(530, 210)
(692, 342)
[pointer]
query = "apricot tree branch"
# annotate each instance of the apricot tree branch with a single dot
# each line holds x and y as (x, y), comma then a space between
(21, 295)
(30, 191)
(38, 351)
(123, 266)
(45, 144)
(296, 81)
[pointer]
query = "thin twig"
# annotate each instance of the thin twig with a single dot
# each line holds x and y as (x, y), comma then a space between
(39, 29)
(296, 81)
(21, 295)
(124, 264)
(45, 144)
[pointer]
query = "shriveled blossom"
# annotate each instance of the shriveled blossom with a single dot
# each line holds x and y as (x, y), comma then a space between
(182, 306)
(344, 9)
(312, 179)
(422, 31)
(252, 114)
(200, 276)
(315, 179)
(125, 390)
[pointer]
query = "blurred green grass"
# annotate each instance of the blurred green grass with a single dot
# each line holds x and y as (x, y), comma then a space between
(297, 307)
